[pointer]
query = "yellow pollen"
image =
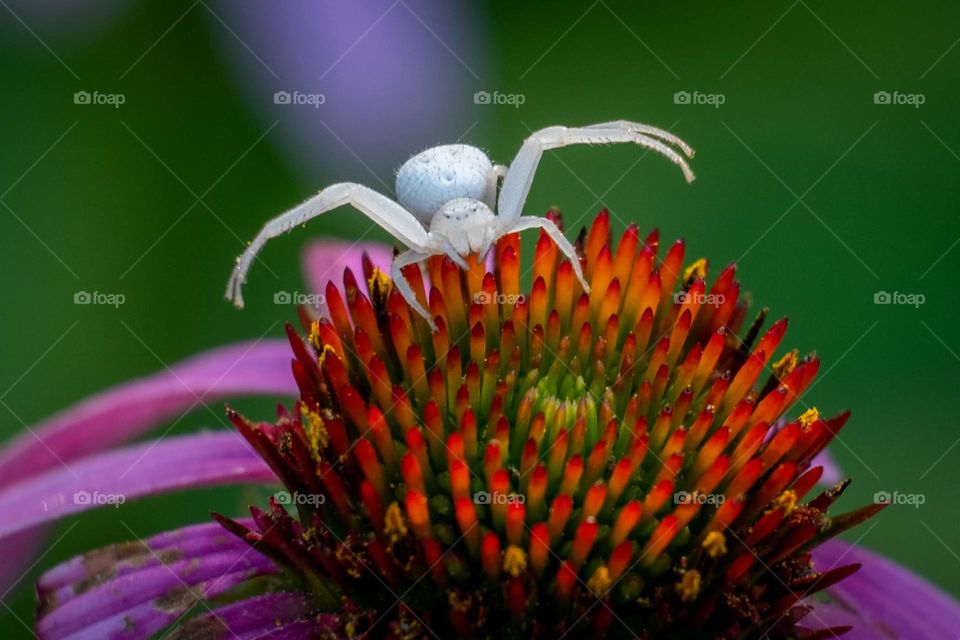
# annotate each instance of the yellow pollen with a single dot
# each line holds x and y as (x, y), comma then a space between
(715, 544)
(809, 417)
(697, 270)
(515, 561)
(785, 365)
(379, 281)
(786, 500)
(323, 354)
(600, 582)
(316, 432)
(689, 585)
(314, 337)
(394, 525)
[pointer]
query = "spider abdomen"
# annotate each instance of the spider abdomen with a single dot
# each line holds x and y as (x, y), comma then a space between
(441, 174)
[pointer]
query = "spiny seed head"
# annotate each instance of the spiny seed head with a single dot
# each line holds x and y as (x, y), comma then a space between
(550, 463)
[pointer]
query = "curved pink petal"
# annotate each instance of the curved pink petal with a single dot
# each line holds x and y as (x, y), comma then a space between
(19, 551)
(254, 617)
(119, 414)
(882, 600)
(832, 474)
(109, 479)
(136, 589)
(325, 260)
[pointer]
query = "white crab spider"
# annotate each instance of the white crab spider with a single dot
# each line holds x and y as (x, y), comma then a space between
(447, 198)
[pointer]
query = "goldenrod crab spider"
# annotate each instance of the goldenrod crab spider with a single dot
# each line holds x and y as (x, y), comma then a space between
(448, 195)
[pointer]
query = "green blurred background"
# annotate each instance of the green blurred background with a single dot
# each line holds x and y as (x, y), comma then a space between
(823, 196)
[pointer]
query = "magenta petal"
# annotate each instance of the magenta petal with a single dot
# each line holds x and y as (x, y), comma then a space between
(882, 599)
(831, 470)
(18, 554)
(182, 462)
(134, 590)
(121, 413)
(251, 618)
(325, 260)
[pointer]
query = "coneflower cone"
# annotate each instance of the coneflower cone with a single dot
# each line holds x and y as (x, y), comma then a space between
(550, 463)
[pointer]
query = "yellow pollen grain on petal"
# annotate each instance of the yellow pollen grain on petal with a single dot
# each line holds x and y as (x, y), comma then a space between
(715, 544)
(379, 281)
(809, 417)
(316, 432)
(323, 354)
(515, 561)
(394, 524)
(786, 364)
(697, 270)
(689, 585)
(314, 337)
(600, 581)
(786, 501)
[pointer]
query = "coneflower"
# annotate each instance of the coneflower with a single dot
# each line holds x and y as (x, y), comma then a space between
(550, 463)
(636, 463)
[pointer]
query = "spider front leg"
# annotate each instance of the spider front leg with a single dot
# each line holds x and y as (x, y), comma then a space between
(401, 224)
(531, 222)
(516, 185)
(403, 285)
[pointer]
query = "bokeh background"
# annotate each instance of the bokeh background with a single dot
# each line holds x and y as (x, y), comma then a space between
(828, 168)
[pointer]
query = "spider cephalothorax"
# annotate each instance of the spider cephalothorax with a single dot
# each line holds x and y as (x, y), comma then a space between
(449, 203)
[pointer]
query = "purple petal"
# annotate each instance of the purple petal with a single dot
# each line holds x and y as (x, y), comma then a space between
(251, 618)
(325, 260)
(19, 551)
(203, 459)
(186, 542)
(121, 413)
(832, 474)
(882, 599)
(136, 589)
